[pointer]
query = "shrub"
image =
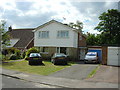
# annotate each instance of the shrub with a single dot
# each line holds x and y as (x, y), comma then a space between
(8, 52)
(17, 53)
(13, 57)
(5, 57)
(24, 54)
(31, 50)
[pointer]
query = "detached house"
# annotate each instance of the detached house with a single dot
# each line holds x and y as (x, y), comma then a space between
(55, 37)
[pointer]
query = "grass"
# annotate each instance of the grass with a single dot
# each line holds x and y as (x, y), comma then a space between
(45, 69)
(93, 72)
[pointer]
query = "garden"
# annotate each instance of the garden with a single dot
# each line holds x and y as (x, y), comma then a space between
(12, 54)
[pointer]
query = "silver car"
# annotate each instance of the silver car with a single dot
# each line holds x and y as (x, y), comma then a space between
(91, 57)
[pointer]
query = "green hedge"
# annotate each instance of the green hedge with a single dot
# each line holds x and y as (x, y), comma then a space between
(31, 50)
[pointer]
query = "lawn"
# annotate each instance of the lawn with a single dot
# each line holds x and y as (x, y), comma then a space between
(45, 69)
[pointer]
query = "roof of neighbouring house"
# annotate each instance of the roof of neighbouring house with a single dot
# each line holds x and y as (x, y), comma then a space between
(25, 36)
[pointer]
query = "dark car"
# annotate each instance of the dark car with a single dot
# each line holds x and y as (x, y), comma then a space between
(35, 59)
(59, 58)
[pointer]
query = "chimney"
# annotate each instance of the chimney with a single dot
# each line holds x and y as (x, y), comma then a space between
(10, 28)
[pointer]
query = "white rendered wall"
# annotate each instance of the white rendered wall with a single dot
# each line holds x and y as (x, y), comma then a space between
(53, 40)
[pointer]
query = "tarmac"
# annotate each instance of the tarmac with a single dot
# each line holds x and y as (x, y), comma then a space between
(57, 81)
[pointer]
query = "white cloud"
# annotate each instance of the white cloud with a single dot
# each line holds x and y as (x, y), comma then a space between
(39, 11)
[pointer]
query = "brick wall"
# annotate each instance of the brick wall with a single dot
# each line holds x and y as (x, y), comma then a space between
(81, 40)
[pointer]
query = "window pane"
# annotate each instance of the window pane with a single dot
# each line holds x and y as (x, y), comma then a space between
(44, 34)
(62, 34)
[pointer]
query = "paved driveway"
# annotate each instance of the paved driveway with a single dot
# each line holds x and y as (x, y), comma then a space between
(107, 74)
(78, 71)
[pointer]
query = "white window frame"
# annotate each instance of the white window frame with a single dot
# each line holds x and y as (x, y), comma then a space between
(43, 34)
(63, 34)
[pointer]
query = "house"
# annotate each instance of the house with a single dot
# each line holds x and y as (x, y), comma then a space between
(56, 37)
(21, 38)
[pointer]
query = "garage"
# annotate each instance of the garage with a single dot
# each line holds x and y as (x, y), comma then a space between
(113, 56)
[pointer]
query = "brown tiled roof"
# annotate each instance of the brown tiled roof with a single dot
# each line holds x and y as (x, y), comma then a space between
(24, 36)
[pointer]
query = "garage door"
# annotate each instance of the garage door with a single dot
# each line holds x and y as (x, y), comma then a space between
(99, 51)
(113, 53)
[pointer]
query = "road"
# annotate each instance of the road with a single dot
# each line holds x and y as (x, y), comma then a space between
(9, 82)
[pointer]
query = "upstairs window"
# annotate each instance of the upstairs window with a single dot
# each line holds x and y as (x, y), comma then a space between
(43, 34)
(63, 34)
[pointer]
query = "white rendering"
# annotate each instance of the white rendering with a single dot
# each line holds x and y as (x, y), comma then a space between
(56, 35)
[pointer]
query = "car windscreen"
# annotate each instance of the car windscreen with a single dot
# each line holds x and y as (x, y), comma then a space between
(60, 55)
(91, 54)
(35, 55)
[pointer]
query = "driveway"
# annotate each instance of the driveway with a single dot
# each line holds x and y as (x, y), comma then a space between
(77, 71)
(107, 74)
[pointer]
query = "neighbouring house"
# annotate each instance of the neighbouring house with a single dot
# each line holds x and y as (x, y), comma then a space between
(21, 38)
(56, 37)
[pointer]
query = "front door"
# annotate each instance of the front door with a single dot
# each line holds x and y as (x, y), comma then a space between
(82, 54)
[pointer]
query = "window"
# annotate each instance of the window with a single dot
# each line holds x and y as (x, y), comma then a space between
(62, 50)
(63, 34)
(43, 34)
(45, 49)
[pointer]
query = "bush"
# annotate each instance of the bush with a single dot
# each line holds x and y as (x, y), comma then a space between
(8, 52)
(13, 57)
(31, 50)
(5, 57)
(24, 54)
(17, 53)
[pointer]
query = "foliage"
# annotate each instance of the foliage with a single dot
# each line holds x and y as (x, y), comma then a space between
(5, 37)
(14, 57)
(10, 51)
(31, 50)
(78, 25)
(93, 39)
(24, 54)
(109, 25)
(5, 57)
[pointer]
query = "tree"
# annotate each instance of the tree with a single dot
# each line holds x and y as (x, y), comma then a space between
(78, 25)
(93, 39)
(5, 38)
(109, 25)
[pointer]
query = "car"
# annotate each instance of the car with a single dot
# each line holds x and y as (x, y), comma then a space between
(91, 57)
(35, 59)
(59, 58)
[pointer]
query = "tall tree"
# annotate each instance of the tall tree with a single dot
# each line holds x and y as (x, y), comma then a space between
(78, 25)
(5, 38)
(93, 39)
(109, 25)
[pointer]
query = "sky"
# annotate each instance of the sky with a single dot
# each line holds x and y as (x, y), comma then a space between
(33, 13)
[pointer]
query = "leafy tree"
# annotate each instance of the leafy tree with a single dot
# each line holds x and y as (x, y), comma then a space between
(91, 39)
(5, 38)
(78, 25)
(109, 25)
